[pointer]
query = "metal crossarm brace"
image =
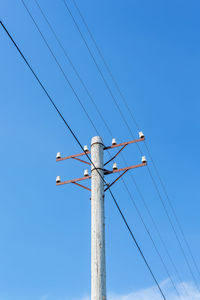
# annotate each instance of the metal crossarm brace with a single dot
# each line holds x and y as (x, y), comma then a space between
(82, 160)
(116, 154)
(115, 180)
(85, 187)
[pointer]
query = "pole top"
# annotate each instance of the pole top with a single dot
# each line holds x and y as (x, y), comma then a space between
(96, 140)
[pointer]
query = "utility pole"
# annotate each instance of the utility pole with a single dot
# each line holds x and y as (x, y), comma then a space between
(98, 188)
(98, 264)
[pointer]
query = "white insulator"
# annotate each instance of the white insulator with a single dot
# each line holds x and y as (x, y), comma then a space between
(86, 148)
(144, 159)
(141, 135)
(114, 166)
(58, 155)
(114, 141)
(86, 173)
(58, 180)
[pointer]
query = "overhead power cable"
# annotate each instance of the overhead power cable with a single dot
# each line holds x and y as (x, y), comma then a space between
(77, 140)
(131, 133)
(65, 54)
(174, 230)
(159, 234)
(173, 210)
(138, 127)
(73, 66)
(101, 73)
(60, 67)
(151, 238)
(105, 63)
(102, 118)
(157, 230)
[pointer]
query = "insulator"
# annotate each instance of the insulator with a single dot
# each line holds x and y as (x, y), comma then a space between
(86, 148)
(144, 159)
(58, 180)
(114, 166)
(86, 173)
(58, 155)
(114, 141)
(141, 135)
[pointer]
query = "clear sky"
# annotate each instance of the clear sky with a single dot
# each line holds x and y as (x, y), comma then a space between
(153, 48)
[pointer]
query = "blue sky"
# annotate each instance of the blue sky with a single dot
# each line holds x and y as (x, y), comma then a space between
(153, 49)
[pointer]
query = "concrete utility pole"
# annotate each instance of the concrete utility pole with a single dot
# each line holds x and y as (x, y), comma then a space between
(98, 265)
(98, 188)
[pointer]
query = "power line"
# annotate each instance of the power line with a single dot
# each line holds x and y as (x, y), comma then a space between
(101, 116)
(173, 228)
(101, 73)
(60, 67)
(157, 230)
(138, 127)
(148, 232)
(73, 66)
(105, 63)
(75, 70)
(130, 131)
(173, 210)
(59, 43)
(137, 245)
(151, 238)
(77, 140)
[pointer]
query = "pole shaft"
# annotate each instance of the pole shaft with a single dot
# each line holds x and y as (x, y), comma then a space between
(98, 266)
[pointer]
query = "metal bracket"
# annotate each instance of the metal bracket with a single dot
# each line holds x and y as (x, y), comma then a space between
(115, 154)
(115, 180)
(85, 187)
(82, 160)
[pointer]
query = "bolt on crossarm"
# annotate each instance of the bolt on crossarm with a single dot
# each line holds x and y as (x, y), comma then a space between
(98, 188)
